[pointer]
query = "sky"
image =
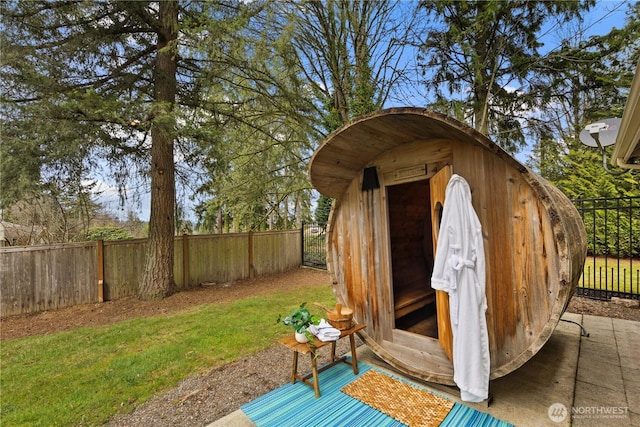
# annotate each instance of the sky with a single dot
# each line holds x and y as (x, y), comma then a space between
(605, 16)
(599, 21)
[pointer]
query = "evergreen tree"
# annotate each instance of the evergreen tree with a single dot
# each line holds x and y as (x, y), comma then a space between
(322, 210)
(586, 81)
(256, 172)
(89, 80)
(480, 60)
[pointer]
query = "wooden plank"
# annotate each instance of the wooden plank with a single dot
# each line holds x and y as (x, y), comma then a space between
(412, 299)
(100, 269)
(40, 278)
(432, 153)
(385, 274)
(420, 356)
(438, 184)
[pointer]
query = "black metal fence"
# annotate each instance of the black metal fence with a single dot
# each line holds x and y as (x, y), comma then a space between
(314, 249)
(612, 267)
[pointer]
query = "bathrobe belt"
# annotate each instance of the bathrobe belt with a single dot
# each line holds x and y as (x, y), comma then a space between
(457, 263)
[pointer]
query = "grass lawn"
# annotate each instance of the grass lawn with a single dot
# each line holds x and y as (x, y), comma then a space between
(607, 274)
(85, 376)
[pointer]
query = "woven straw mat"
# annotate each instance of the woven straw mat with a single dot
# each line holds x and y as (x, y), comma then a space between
(401, 401)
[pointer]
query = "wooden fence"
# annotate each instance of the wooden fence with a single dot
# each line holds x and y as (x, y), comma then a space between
(37, 278)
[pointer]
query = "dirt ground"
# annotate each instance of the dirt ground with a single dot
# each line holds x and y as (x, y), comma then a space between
(128, 308)
(202, 399)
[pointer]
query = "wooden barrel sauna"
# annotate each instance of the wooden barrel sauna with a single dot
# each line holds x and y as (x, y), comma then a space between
(387, 173)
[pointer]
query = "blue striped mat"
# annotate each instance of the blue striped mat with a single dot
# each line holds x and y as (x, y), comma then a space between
(295, 405)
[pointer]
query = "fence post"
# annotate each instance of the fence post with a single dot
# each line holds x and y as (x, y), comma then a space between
(302, 244)
(100, 250)
(251, 266)
(185, 261)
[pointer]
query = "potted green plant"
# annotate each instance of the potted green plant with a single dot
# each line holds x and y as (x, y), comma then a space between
(300, 319)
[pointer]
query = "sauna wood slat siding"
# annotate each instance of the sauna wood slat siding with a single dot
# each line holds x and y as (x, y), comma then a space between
(369, 240)
(509, 327)
(534, 239)
(513, 312)
(429, 362)
(502, 300)
(574, 239)
(385, 282)
(438, 187)
(414, 154)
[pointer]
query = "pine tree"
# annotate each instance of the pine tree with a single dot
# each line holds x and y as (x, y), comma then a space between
(587, 81)
(103, 80)
(481, 58)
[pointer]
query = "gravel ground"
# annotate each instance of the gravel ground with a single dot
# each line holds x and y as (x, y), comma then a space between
(202, 399)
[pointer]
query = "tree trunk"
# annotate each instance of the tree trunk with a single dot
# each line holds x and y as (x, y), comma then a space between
(481, 110)
(482, 91)
(298, 212)
(157, 281)
(219, 224)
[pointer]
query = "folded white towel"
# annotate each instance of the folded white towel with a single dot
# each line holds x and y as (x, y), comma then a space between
(324, 331)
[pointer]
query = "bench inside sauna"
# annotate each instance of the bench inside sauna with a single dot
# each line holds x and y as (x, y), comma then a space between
(412, 257)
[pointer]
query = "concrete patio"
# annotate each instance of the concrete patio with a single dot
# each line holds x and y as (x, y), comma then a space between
(575, 380)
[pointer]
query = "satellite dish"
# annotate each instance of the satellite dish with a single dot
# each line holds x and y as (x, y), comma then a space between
(600, 134)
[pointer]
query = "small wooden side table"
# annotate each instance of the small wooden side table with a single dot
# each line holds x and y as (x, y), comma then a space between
(311, 349)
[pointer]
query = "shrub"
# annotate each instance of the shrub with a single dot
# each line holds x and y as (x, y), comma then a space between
(107, 233)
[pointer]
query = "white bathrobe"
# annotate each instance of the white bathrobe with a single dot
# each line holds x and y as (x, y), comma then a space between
(459, 269)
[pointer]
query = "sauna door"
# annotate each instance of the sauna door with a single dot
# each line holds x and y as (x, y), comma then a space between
(438, 184)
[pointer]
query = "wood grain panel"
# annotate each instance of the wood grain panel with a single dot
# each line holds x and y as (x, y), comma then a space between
(534, 239)
(37, 278)
(438, 185)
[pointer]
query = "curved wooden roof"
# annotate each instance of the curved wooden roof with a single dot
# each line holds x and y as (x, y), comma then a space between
(346, 151)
